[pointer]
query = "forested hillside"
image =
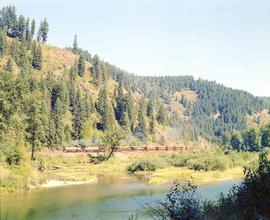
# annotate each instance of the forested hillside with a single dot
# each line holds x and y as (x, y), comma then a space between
(51, 97)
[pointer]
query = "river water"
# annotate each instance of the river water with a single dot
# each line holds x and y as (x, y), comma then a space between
(110, 199)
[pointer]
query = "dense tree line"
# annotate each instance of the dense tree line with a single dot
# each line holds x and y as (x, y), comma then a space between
(21, 27)
(252, 139)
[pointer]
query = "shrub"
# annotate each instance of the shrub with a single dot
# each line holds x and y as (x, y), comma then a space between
(14, 157)
(141, 166)
(97, 159)
(207, 165)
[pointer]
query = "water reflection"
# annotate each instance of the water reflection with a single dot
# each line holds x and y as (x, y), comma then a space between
(112, 198)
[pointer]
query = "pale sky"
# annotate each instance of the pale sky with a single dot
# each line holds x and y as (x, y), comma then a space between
(223, 40)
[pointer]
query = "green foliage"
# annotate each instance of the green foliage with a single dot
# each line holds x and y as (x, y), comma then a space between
(249, 200)
(142, 118)
(162, 116)
(236, 141)
(3, 42)
(251, 141)
(37, 56)
(34, 123)
(105, 109)
(143, 165)
(9, 67)
(96, 71)
(81, 65)
(75, 47)
(43, 30)
(265, 136)
(182, 202)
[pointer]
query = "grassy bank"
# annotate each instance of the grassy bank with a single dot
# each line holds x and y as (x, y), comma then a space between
(202, 167)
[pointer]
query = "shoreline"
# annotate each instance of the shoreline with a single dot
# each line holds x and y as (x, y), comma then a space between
(58, 183)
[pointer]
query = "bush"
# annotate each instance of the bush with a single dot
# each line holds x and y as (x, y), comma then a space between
(182, 202)
(97, 159)
(207, 165)
(14, 157)
(141, 166)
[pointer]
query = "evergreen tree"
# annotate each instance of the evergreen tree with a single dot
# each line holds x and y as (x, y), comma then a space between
(265, 136)
(3, 42)
(120, 103)
(152, 123)
(57, 116)
(125, 122)
(78, 117)
(105, 109)
(131, 109)
(151, 113)
(162, 116)
(96, 70)
(22, 59)
(236, 141)
(251, 140)
(27, 31)
(142, 122)
(81, 65)
(34, 124)
(104, 71)
(8, 20)
(37, 56)
(21, 27)
(39, 33)
(73, 71)
(151, 107)
(75, 47)
(45, 30)
(33, 29)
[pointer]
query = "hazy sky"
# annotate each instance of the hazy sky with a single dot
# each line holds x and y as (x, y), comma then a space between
(223, 40)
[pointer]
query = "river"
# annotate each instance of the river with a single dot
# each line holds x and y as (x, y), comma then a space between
(111, 198)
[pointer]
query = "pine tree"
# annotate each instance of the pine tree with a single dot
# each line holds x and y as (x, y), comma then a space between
(34, 124)
(33, 29)
(3, 42)
(9, 20)
(131, 109)
(162, 116)
(22, 59)
(21, 27)
(27, 31)
(142, 122)
(104, 71)
(77, 116)
(125, 122)
(151, 107)
(96, 70)
(236, 141)
(75, 47)
(57, 116)
(251, 140)
(152, 123)
(39, 33)
(120, 103)
(105, 109)
(37, 57)
(265, 136)
(81, 65)
(45, 30)
(73, 71)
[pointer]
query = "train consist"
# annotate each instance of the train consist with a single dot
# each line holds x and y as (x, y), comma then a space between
(85, 149)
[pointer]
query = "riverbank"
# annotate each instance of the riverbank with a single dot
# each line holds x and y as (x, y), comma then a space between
(65, 169)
